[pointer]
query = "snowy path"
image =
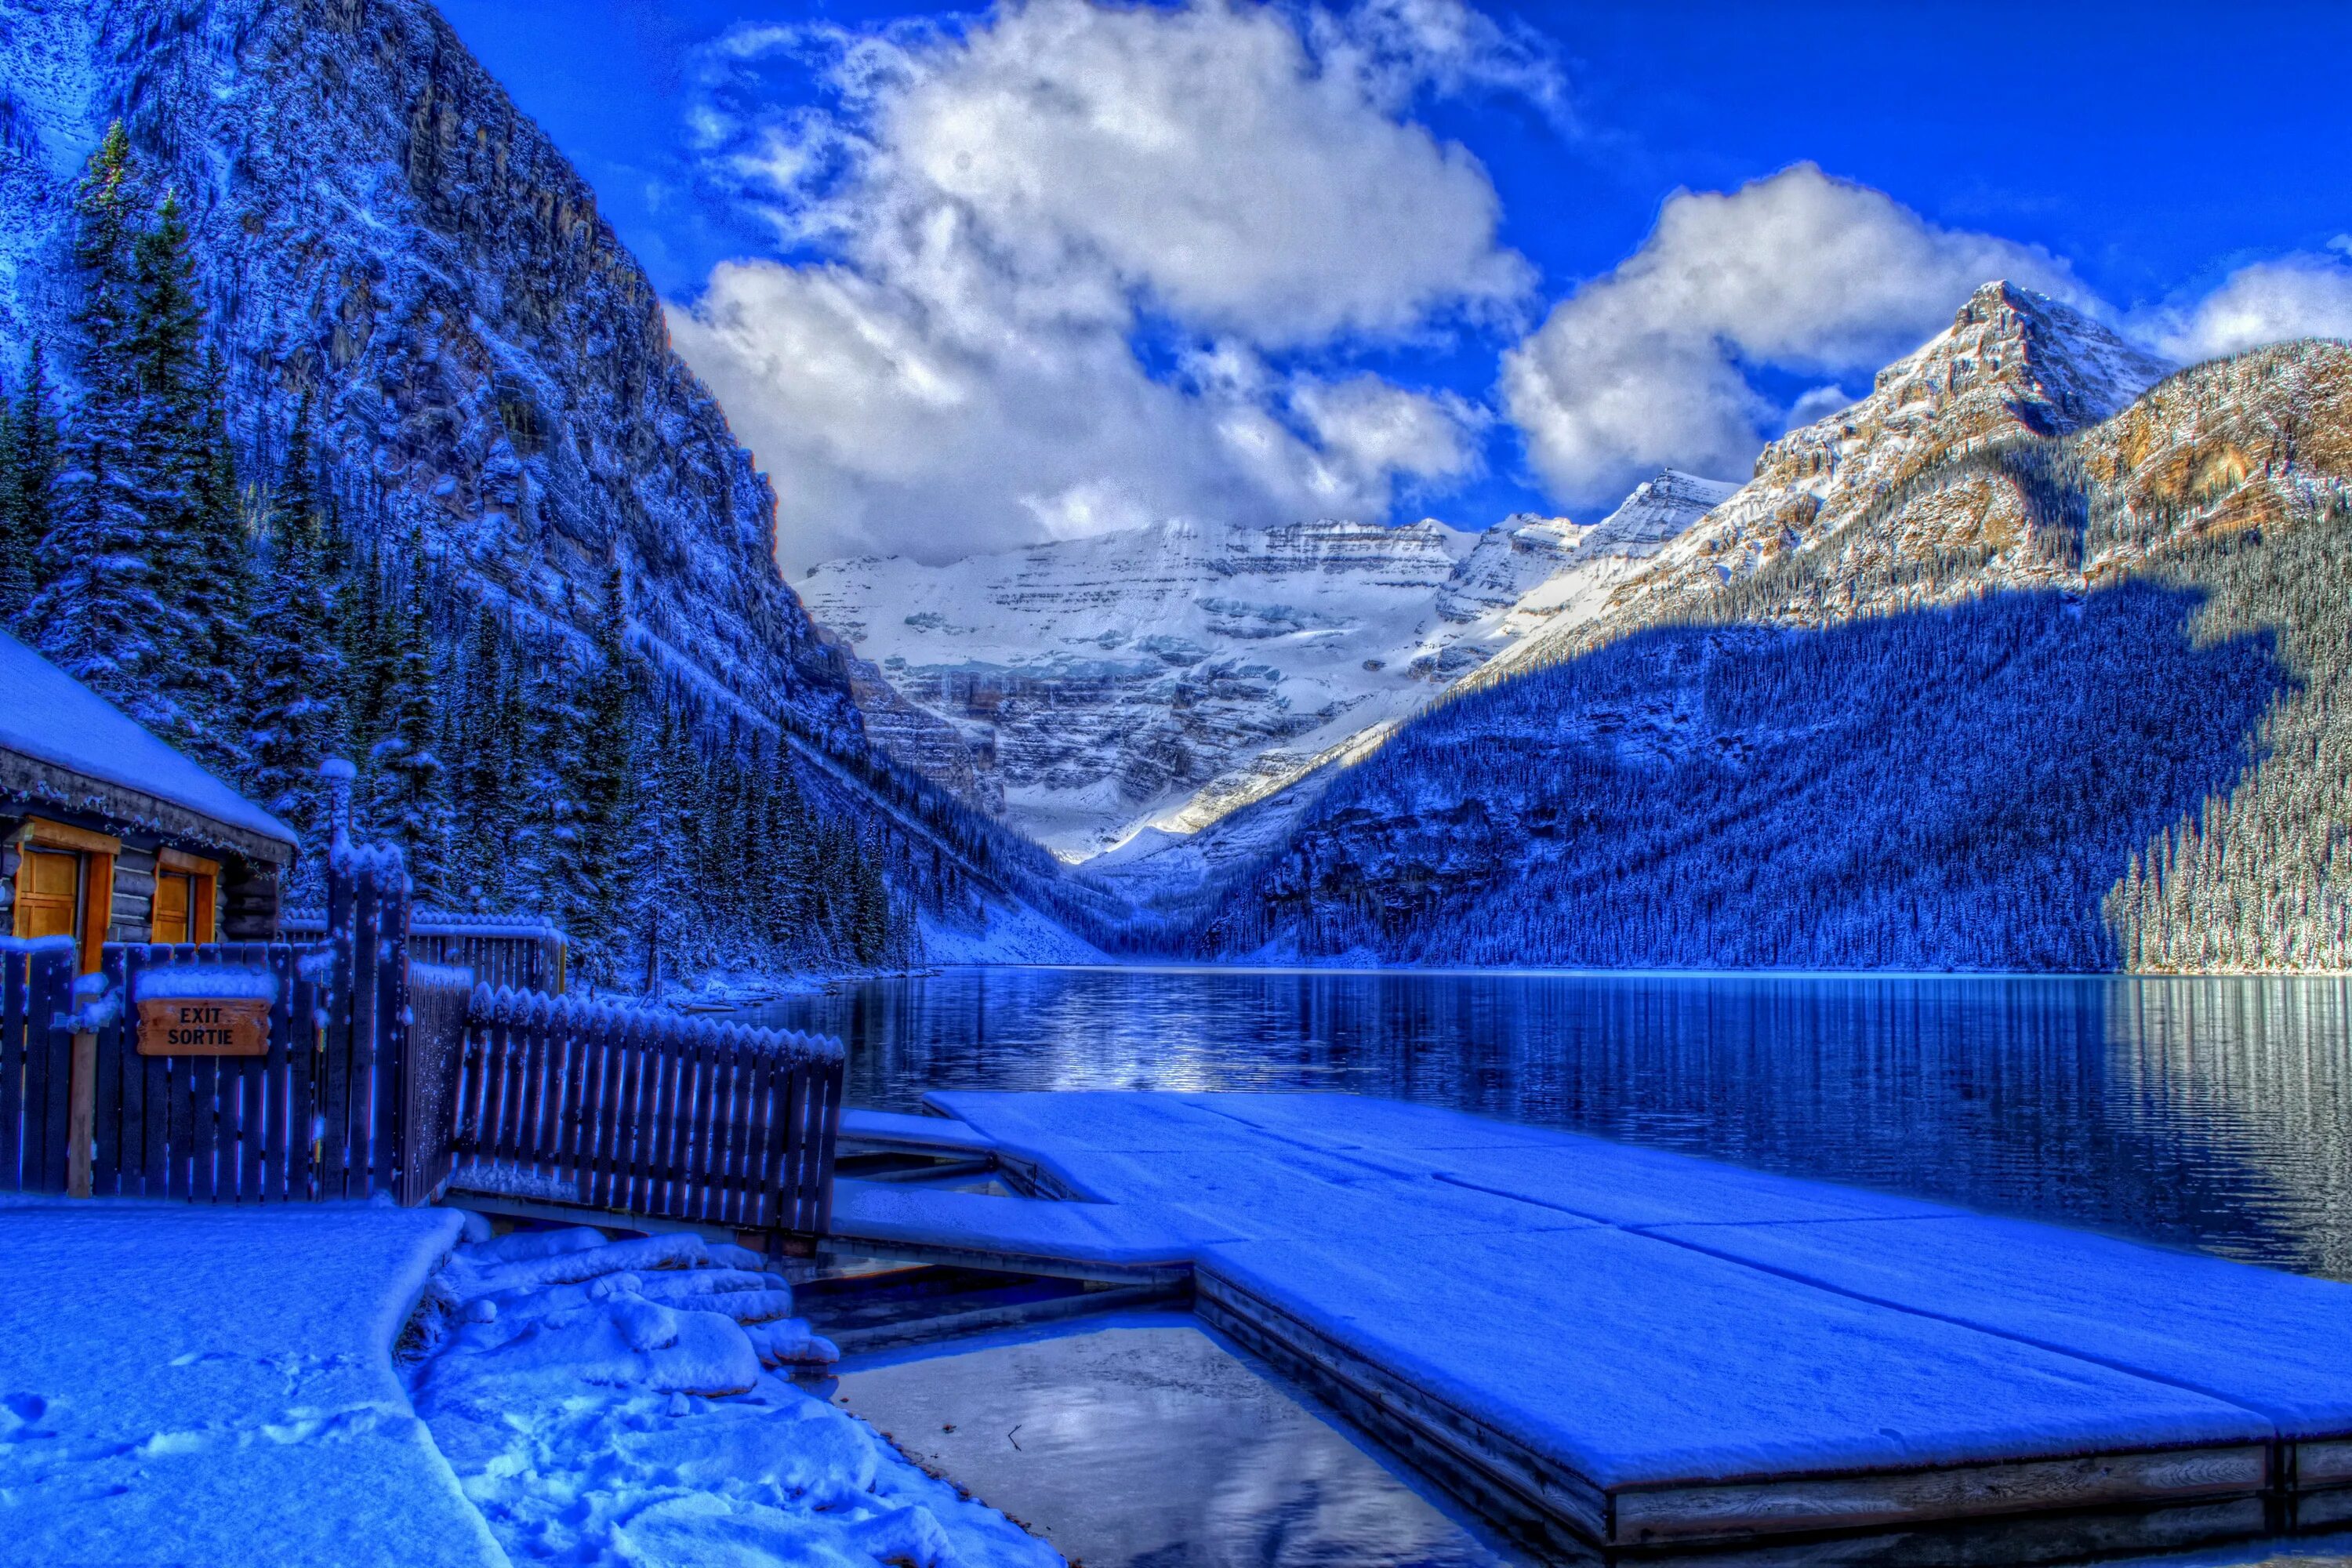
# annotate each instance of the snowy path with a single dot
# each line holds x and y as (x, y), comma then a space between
(200, 1386)
(1606, 1327)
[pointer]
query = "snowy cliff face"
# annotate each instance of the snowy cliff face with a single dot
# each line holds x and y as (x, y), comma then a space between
(379, 226)
(1158, 679)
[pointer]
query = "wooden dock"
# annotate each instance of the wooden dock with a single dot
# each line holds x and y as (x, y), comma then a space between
(1601, 1345)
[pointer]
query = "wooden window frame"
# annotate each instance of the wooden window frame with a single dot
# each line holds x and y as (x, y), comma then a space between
(204, 891)
(27, 854)
(96, 851)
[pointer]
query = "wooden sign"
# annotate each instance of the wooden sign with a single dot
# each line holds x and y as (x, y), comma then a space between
(203, 1027)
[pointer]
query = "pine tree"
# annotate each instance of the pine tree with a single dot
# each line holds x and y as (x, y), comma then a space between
(97, 612)
(412, 789)
(366, 635)
(27, 498)
(597, 905)
(16, 540)
(549, 852)
(488, 722)
(223, 564)
(660, 883)
(185, 476)
(296, 688)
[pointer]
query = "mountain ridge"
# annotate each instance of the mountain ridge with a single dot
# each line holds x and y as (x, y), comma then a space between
(518, 469)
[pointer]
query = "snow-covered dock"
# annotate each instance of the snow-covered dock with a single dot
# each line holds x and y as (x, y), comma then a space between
(1637, 1348)
(214, 1386)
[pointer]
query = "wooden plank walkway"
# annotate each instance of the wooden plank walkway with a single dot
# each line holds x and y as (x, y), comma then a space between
(1620, 1346)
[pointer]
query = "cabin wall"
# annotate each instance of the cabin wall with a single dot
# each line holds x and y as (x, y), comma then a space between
(133, 915)
(246, 901)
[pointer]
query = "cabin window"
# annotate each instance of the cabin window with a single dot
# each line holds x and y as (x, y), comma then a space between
(65, 885)
(50, 892)
(174, 898)
(183, 898)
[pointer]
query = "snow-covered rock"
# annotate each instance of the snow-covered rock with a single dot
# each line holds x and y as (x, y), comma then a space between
(613, 1402)
(1155, 680)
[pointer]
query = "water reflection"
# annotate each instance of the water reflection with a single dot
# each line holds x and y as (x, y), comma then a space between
(1147, 1441)
(2203, 1111)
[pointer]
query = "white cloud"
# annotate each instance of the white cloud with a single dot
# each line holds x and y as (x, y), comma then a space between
(1374, 427)
(1646, 365)
(1816, 404)
(2304, 296)
(1006, 209)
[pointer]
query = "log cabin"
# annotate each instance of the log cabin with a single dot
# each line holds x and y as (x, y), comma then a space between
(108, 834)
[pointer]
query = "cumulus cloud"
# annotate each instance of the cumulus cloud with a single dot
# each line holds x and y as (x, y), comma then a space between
(1001, 214)
(1647, 364)
(2304, 296)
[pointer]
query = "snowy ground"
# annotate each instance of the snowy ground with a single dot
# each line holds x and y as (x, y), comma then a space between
(217, 1388)
(201, 1386)
(621, 1402)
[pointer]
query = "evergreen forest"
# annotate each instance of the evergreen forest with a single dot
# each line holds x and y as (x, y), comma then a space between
(249, 602)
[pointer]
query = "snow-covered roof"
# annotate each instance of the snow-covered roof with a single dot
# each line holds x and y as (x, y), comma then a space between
(48, 716)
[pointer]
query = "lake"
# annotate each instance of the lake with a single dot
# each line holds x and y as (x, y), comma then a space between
(2207, 1112)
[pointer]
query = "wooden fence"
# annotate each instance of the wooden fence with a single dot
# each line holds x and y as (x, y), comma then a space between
(438, 999)
(318, 1116)
(519, 955)
(35, 1060)
(528, 955)
(383, 1072)
(641, 1111)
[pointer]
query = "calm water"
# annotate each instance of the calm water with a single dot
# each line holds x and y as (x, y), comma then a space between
(1144, 1441)
(2211, 1112)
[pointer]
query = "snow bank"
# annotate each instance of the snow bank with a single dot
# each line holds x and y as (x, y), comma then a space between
(208, 1387)
(208, 983)
(1016, 935)
(611, 1402)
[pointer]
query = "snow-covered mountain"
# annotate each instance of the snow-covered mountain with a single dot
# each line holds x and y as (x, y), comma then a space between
(2021, 662)
(377, 225)
(1153, 680)
(2013, 366)
(378, 231)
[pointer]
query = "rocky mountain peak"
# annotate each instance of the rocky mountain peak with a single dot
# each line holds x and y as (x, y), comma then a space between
(2014, 365)
(2056, 368)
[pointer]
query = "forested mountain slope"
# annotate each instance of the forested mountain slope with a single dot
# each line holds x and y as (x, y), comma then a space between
(2011, 666)
(455, 452)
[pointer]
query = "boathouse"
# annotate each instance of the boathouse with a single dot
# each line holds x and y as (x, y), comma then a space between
(107, 834)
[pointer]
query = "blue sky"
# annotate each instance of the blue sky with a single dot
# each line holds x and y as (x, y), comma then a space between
(2178, 171)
